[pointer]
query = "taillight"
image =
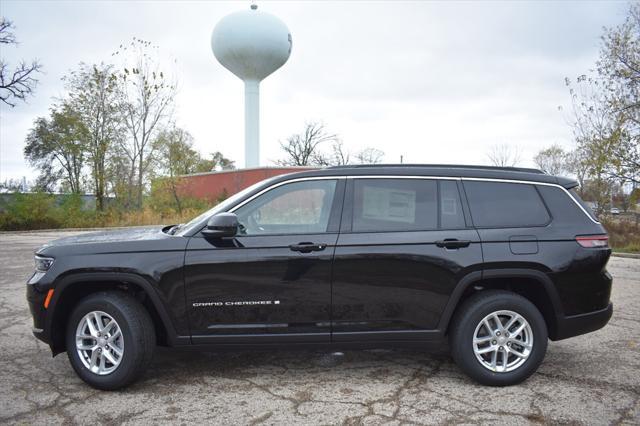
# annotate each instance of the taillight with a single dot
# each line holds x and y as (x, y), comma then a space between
(593, 241)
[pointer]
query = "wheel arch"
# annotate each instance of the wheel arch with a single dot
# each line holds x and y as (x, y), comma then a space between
(532, 284)
(71, 288)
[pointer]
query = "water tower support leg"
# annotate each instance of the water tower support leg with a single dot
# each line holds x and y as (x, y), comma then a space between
(252, 123)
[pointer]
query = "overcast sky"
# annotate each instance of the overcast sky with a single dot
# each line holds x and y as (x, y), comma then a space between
(436, 82)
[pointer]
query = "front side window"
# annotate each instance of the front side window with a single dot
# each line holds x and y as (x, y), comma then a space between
(294, 208)
(505, 205)
(395, 205)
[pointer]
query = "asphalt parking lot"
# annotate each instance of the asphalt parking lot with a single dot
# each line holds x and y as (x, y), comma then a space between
(592, 379)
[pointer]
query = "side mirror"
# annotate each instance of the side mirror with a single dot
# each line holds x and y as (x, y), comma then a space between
(221, 225)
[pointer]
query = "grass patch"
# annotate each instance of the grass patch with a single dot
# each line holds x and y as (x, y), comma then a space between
(624, 235)
(45, 211)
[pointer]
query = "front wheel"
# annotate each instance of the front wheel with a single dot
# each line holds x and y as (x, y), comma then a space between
(110, 340)
(498, 338)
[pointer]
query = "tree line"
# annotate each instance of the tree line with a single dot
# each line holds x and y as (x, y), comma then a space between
(604, 117)
(112, 132)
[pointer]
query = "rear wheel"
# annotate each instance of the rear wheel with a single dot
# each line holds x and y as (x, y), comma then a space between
(498, 338)
(110, 340)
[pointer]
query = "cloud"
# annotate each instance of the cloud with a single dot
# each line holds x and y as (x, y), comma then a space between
(432, 81)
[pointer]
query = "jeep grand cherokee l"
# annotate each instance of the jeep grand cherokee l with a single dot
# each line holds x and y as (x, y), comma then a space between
(496, 260)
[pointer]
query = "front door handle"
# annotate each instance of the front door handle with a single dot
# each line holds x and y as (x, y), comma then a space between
(307, 247)
(453, 243)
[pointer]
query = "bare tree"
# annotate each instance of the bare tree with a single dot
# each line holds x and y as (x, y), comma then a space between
(148, 97)
(340, 156)
(303, 149)
(20, 82)
(504, 155)
(369, 156)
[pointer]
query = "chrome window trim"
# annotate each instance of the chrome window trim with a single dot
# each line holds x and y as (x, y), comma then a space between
(276, 185)
(454, 178)
(404, 177)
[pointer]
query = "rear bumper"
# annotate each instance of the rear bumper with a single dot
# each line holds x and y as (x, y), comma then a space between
(576, 325)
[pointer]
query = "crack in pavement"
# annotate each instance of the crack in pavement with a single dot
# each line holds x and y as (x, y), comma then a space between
(593, 378)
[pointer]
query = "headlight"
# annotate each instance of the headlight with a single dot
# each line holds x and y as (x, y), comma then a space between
(43, 264)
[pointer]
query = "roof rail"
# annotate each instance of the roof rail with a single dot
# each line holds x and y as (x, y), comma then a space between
(442, 166)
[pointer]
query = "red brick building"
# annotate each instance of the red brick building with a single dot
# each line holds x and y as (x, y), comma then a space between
(211, 186)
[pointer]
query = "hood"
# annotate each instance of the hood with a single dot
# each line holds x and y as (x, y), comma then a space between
(128, 240)
(111, 236)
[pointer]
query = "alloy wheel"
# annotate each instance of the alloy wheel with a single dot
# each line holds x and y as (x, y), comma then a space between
(503, 341)
(99, 343)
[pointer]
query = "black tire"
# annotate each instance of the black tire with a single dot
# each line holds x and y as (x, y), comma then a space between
(137, 331)
(471, 313)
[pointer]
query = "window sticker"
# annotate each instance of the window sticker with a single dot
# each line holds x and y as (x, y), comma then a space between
(389, 204)
(449, 206)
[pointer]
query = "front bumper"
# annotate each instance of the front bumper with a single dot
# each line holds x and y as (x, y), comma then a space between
(576, 325)
(35, 300)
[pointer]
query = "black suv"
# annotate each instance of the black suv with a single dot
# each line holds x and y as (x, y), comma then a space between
(496, 260)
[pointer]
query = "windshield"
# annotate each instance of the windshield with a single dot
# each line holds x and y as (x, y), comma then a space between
(220, 207)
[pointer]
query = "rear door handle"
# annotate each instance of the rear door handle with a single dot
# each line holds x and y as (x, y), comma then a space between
(307, 247)
(452, 243)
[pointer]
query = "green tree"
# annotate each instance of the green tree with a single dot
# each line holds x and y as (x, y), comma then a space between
(619, 69)
(216, 161)
(577, 165)
(634, 198)
(94, 95)
(175, 157)
(552, 160)
(55, 146)
(175, 153)
(597, 130)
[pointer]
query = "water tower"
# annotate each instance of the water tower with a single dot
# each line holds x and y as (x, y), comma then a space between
(251, 44)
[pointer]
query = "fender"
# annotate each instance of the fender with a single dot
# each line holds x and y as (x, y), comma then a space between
(476, 276)
(173, 339)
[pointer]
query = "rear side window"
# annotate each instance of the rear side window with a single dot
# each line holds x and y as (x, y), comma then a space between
(395, 205)
(382, 205)
(505, 205)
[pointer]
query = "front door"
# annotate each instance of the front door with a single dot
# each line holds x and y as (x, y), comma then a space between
(404, 245)
(272, 282)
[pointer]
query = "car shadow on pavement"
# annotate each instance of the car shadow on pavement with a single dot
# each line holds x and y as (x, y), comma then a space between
(176, 366)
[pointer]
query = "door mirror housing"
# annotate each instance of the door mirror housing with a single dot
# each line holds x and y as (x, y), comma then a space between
(221, 225)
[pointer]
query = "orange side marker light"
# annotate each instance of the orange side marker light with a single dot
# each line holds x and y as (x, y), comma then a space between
(47, 300)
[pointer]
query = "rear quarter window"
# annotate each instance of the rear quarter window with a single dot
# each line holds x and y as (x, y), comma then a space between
(584, 205)
(505, 205)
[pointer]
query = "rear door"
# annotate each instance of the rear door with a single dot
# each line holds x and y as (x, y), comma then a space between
(404, 245)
